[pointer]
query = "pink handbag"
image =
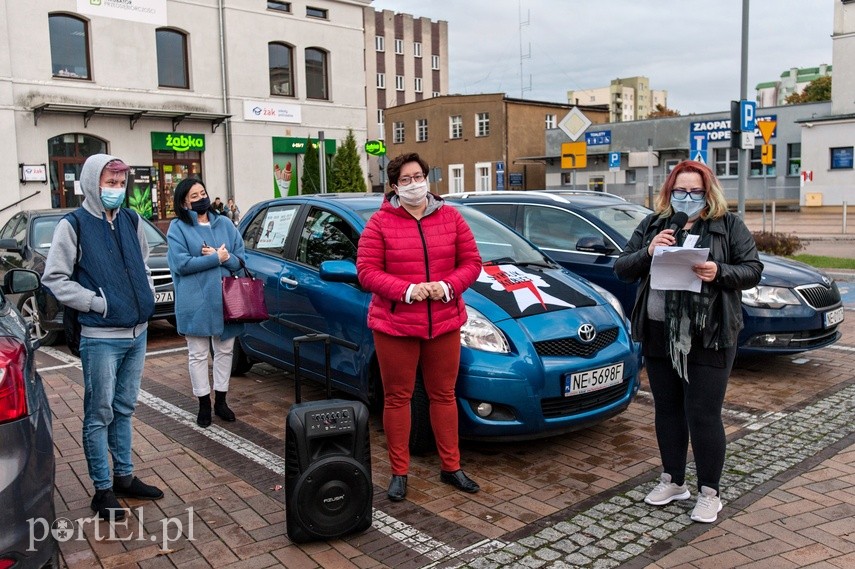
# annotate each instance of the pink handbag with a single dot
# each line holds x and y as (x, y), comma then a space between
(243, 298)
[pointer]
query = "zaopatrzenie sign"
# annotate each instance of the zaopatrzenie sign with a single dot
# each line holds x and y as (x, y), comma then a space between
(178, 141)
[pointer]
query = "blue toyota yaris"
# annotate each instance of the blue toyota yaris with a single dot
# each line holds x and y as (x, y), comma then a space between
(550, 354)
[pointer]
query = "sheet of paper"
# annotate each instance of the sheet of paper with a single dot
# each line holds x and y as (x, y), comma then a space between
(672, 268)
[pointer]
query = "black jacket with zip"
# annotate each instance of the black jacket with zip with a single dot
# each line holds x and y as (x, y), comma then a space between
(733, 249)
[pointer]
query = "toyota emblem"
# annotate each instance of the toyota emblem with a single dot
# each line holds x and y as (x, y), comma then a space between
(587, 333)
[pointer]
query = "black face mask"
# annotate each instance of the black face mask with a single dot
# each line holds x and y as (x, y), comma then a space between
(201, 206)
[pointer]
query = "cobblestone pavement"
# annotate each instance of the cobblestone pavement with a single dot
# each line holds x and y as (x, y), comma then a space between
(569, 501)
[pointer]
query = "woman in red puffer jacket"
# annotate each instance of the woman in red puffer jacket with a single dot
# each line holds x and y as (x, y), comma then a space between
(417, 256)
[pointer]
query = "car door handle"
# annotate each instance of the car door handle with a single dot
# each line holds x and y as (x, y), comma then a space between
(288, 282)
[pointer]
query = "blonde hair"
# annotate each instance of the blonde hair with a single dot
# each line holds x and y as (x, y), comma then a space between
(716, 204)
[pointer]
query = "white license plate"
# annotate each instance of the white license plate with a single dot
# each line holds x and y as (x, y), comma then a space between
(593, 379)
(160, 297)
(833, 317)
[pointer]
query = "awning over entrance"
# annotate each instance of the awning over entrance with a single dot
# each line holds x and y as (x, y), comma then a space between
(88, 111)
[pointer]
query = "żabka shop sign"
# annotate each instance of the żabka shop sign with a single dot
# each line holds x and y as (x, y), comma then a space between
(178, 141)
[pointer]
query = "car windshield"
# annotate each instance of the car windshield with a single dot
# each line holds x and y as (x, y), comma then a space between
(496, 243)
(622, 217)
(43, 228)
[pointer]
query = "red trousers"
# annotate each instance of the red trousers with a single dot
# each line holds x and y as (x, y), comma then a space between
(439, 360)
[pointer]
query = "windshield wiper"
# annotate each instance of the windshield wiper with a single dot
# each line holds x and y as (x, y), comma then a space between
(509, 261)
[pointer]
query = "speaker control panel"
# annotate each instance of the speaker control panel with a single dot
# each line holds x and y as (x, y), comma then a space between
(330, 420)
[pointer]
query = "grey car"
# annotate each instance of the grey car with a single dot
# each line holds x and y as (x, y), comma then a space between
(27, 466)
(24, 242)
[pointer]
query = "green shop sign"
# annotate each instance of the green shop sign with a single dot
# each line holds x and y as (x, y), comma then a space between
(290, 145)
(178, 141)
(375, 147)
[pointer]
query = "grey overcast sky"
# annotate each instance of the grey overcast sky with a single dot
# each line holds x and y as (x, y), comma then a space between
(690, 48)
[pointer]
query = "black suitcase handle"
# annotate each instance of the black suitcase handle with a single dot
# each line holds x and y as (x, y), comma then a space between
(308, 338)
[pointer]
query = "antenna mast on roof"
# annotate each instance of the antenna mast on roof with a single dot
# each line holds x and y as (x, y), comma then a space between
(524, 55)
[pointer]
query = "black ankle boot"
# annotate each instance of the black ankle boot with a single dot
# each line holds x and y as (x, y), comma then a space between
(204, 417)
(221, 408)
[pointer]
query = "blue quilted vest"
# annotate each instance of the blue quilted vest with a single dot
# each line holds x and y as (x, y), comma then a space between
(112, 265)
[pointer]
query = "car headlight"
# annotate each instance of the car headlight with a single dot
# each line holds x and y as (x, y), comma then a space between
(480, 334)
(610, 298)
(769, 297)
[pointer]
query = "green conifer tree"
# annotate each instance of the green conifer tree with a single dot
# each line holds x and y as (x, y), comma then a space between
(311, 177)
(346, 175)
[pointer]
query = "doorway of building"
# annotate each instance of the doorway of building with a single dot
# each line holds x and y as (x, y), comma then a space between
(170, 171)
(67, 153)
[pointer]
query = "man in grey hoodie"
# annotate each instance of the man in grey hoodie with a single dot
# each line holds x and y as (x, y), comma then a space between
(98, 265)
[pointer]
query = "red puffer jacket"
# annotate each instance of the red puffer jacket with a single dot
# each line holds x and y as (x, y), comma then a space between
(396, 250)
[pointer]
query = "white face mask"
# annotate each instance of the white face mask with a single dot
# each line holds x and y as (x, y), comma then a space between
(414, 194)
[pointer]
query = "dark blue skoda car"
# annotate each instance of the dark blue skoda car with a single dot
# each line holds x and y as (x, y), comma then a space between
(794, 308)
(550, 356)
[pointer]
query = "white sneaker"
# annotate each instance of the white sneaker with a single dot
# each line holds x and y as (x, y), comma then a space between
(666, 492)
(708, 506)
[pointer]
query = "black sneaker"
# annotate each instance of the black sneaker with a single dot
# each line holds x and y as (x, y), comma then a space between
(106, 506)
(132, 487)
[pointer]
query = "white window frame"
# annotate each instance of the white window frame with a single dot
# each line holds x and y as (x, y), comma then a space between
(436, 94)
(550, 121)
(434, 62)
(418, 84)
(455, 178)
(381, 120)
(417, 49)
(421, 130)
(482, 124)
(399, 46)
(381, 80)
(483, 176)
(455, 127)
(398, 132)
(399, 82)
(379, 43)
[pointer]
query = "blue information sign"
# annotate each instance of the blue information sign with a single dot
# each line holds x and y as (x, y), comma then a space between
(614, 160)
(598, 138)
(515, 179)
(698, 145)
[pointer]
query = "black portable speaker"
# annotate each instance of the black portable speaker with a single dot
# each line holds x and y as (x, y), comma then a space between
(328, 487)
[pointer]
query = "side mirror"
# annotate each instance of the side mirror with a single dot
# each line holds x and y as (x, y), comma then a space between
(594, 245)
(18, 281)
(10, 245)
(339, 272)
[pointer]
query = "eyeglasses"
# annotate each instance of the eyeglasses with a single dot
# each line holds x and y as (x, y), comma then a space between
(405, 180)
(695, 194)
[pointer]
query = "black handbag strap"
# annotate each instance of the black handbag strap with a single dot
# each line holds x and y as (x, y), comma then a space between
(242, 268)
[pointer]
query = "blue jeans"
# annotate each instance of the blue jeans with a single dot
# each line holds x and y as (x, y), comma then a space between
(112, 371)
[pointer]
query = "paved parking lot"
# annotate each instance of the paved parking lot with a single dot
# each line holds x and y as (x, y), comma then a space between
(566, 501)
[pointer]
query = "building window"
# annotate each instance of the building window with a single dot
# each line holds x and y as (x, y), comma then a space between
(434, 62)
(455, 175)
(841, 158)
(399, 82)
(436, 94)
(418, 84)
(482, 177)
(279, 6)
(381, 80)
(69, 47)
(317, 13)
(726, 162)
(398, 132)
(316, 74)
(757, 164)
(381, 120)
(455, 126)
(482, 124)
(379, 43)
(550, 122)
(417, 49)
(172, 59)
(794, 158)
(281, 59)
(421, 130)
(399, 47)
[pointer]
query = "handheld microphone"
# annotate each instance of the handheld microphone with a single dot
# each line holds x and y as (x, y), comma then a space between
(678, 221)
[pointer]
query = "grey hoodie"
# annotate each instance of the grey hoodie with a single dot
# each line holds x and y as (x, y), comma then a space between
(62, 256)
